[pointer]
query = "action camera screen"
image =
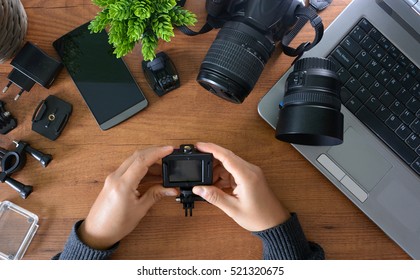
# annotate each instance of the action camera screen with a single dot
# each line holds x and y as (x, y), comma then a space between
(185, 171)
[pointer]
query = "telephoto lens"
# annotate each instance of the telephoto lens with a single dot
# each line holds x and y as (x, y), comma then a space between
(310, 113)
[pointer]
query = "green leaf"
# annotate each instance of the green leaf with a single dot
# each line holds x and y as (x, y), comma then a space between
(149, 44)
(100, 22)
(142, 9)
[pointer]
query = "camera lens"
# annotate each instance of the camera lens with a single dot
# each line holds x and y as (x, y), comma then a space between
(235, 61)
(310, 114)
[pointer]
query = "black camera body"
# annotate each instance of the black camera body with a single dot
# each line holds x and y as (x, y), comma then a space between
(248, 36)
(185, 168)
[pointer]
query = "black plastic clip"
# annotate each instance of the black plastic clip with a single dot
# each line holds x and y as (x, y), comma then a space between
(51, 116)
(7, 122)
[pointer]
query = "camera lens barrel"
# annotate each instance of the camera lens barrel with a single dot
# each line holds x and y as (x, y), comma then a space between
(235, 61)
(310, 114)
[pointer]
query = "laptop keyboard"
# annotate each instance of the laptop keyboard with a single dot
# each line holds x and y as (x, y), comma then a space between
(381, 87)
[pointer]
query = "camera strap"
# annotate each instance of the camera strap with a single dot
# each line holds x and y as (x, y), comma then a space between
(304, 14)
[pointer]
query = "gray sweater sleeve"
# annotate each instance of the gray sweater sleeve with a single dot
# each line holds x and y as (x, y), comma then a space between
(288, 242)
(285, 241)
(75, 249)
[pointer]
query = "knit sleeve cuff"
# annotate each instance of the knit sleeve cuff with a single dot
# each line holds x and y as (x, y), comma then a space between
(288, 242)
(75, 249)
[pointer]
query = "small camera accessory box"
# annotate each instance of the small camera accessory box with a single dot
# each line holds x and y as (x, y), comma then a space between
(17, 228)
(161, 74)
(187, 167)
(51, 116)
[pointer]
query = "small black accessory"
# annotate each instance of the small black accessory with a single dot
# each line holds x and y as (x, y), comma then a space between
(7, 121)
(31, 65)
(185, 168)
(13, 161)
(310, 112)
(51, 116)
(161, 74)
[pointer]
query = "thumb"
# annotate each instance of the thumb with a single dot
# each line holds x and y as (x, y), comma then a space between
(217, 197)
(154, 194)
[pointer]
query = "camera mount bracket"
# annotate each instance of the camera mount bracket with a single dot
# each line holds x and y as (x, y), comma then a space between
(187, 198)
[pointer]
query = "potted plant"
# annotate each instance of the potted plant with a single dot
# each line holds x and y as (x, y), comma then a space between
(145, 21)
(13, 26)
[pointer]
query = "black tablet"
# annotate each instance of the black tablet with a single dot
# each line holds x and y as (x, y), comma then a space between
(103, 80)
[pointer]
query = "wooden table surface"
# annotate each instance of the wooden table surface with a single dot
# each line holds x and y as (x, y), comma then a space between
(84, 155)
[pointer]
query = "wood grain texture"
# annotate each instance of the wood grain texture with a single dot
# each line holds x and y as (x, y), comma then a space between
(84, 155)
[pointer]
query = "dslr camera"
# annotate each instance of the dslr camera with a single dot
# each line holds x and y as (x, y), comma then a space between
(185, 168)
(248, 36)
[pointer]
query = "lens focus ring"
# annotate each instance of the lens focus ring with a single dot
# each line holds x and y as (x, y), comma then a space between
(236, 60)
(314, 63)
(311, 98)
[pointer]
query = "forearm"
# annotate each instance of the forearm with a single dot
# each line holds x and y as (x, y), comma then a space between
(288, 242)
(75, 249)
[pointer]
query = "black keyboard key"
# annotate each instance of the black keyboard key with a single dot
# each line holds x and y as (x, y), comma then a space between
(357, 34)
(398, 71)
(345, 95)
(403, 60)
(412, 69)
(357, 70)
(377, 52)
(373, 67)
(375, 34)
(408, 81)
(383, 77)
(383, 113)
(403, 132)
(394, 52)
(353, 85)
(413, 141)
(343, 75)
(393, 122)
(415, 126)
(377, 89)
(353, 104)
(403, 95)
(415, 90)
(389, 137)
(416, 165)
(373, 103)
(384, 43)
(397, 108)
(365, 25)
(367, 79)
(388, 62)
(362, 94)
(364, 58)
(368, 43)
(407, 117)
(393, 86)
(351, 46)
(387, 98)
(343, 57)
(413, 104)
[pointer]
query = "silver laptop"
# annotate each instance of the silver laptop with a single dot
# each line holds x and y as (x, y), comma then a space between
(385, 186)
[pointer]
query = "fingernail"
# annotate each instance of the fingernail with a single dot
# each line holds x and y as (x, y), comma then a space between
(199, 191)
(171, 193)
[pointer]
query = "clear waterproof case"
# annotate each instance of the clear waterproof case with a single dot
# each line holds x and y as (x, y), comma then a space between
(17, 228)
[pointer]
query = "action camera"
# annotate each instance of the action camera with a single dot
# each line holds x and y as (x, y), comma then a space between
(185, 168)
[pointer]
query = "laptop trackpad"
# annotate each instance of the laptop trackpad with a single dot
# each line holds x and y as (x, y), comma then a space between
(362, 162)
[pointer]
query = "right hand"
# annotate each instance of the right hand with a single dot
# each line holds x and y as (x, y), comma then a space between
(252, 204)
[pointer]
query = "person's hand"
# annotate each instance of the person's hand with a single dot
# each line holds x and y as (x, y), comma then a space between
(252, 204)
(120, 206)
